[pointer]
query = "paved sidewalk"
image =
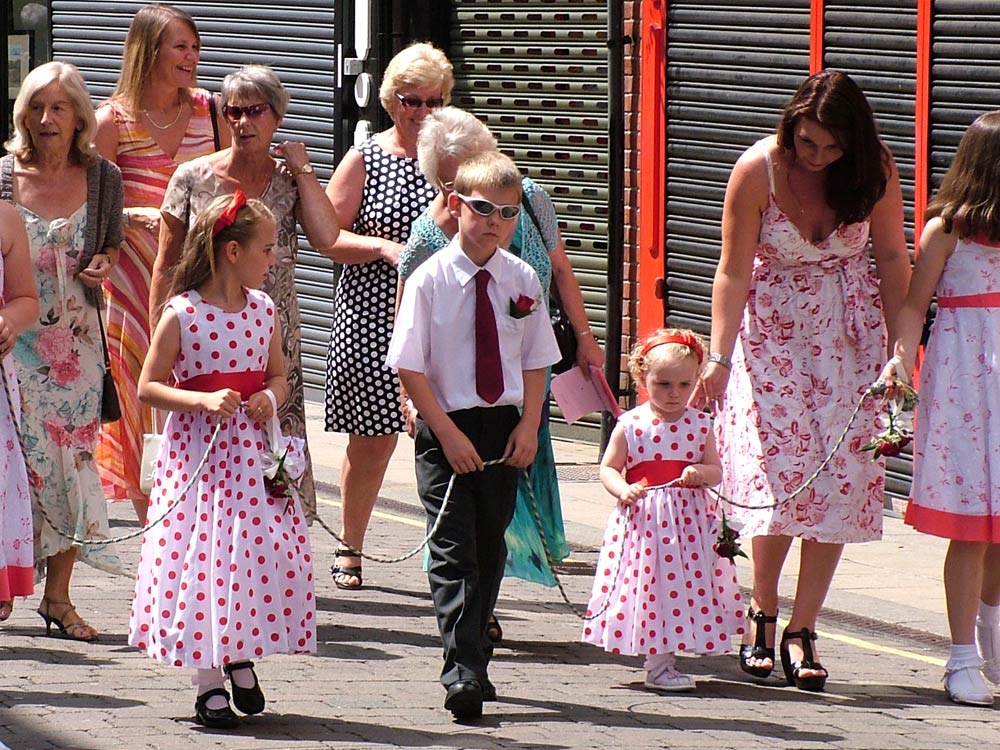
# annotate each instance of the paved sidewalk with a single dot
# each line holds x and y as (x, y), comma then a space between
(373, 682)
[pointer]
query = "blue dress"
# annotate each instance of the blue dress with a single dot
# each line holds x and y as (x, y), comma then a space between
(526, 557)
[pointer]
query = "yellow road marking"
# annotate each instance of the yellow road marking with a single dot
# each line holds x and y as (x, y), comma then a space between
(877, 647)
(378, 514)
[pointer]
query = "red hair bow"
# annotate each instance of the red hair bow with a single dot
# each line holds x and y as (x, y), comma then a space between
(685, 339)
(228, 217)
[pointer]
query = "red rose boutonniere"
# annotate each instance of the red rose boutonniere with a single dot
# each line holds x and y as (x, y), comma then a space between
(523, 306)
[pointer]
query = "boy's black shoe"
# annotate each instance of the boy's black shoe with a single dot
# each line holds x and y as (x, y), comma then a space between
(465, 699)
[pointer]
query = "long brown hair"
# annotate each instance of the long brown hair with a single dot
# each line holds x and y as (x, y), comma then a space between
(200, 256)
(141, 45)
(857, 180)
(969, 196)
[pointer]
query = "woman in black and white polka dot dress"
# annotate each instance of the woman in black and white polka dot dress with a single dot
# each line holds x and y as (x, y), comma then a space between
(377, 190)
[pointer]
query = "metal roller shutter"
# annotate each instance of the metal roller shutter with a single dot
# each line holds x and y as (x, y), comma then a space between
(965, 80)
(877, 47)
(731, 67)
(536, 73)
(295, 37)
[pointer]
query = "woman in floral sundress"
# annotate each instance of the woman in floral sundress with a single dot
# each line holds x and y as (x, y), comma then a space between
(797, 336)
(70, 201)
(155, 120)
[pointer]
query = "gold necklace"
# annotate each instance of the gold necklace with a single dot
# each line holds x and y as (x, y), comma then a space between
(170, 124)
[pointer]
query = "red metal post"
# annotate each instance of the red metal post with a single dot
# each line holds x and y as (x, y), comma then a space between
(817, 8)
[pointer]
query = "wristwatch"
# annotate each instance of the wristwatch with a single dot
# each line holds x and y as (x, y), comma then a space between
(720, 359)
(306, 169)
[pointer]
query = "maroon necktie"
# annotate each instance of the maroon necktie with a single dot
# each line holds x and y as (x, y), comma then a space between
(489, 372)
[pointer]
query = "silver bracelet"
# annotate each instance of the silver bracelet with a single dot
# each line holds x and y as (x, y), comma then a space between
(721, 359)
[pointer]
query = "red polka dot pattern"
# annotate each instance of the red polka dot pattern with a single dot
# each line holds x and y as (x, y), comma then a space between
(228, 576)
(673, 592)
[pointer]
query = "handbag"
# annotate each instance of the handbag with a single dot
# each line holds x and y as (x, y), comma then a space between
(111, 408)
(561, 325)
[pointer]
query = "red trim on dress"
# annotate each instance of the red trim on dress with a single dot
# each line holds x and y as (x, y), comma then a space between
(247, 383)
(653, 473)
(956, 526)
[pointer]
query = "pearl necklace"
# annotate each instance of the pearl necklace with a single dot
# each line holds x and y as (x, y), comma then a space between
(169, 125)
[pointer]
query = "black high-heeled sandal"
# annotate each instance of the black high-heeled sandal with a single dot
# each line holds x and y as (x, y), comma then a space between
(813, 683)
(759, 649)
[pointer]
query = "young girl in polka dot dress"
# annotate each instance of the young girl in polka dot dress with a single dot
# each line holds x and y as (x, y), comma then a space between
(227, 576)
(670, 591)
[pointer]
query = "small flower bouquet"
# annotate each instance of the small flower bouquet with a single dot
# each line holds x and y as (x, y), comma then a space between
(283, 471)
(727, 544)
(523, 306)
(897, 422)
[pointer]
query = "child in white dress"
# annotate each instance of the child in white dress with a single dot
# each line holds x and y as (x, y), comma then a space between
(955, 494)
(227, 576)
(670, 591)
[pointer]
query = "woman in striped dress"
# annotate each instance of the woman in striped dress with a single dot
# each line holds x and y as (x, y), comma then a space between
(155, 120)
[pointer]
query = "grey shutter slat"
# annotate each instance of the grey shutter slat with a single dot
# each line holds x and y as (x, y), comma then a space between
(731, 67)
(295, 37)
(877, 47)
(536, 74)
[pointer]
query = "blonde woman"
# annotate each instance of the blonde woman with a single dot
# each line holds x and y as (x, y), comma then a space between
(70, 201)
(377, 191)
(155, 120)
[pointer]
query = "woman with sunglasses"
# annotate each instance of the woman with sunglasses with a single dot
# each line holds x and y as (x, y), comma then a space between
(155, 120)
(254, 103)
(377, 192)
(448, 137)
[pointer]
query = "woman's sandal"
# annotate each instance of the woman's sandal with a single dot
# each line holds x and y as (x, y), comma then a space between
(813, 683)
(342, 572)
(6, 609)
(494, 633)
(759, 649)
(70, 630)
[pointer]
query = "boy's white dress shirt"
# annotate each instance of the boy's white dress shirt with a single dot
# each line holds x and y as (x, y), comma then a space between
(435, 328)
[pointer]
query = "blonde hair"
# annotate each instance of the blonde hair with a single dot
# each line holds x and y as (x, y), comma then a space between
(646, 353)
(142, 44)
(491, 170)
(450, 133)
(419, 66)
(199, 257)
(82, 150)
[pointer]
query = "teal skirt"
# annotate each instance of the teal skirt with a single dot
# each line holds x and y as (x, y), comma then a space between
(526, 558)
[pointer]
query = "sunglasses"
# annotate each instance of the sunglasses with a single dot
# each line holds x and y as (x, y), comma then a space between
(446, 187)
(413, 102)
(484, 207)
(252, 111)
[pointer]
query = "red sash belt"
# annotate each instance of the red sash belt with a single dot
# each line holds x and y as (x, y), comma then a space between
(987, 299)
(247, 383)
(653, 473)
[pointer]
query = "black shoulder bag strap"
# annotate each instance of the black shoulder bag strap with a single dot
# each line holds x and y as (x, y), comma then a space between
(215, 122)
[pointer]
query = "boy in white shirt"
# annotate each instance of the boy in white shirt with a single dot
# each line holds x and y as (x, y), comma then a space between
(472, 341)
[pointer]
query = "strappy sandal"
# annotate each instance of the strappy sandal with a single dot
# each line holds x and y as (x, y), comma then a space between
(69, 630)
(340, 572)
(759, 649)
(813, 683)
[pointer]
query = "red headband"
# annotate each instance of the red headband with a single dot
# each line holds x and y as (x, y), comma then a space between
(685, 339)
(228, 217)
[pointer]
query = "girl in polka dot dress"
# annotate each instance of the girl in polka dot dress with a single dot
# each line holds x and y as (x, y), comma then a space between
(227, 576)
(670, 591)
